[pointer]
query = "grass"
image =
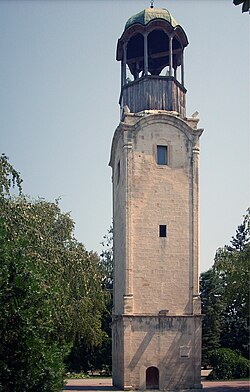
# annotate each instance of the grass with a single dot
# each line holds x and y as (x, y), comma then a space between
(74, 376)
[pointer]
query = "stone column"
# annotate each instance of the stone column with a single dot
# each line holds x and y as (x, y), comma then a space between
(195, 228)
(145, 54)
(128, 295)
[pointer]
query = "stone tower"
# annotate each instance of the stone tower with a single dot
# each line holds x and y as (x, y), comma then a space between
(155, 171)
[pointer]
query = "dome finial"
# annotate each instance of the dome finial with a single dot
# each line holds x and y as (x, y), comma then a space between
(152, 4)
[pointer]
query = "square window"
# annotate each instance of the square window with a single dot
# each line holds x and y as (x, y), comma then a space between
(162, 155)
(162, 231)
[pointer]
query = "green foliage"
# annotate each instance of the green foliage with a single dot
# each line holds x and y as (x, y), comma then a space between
(231, 265)
(50, 290)
(212, 307)
(107, 258)
(86, 357)
(227, 364)
(225, 297)
(9, 177)
(76, 376)
(245, 4)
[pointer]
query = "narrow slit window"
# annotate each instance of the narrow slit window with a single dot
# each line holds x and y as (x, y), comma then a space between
(162, 155)
(162, 231)
(118, 172)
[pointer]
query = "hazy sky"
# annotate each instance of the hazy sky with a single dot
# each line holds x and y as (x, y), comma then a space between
(59, 91)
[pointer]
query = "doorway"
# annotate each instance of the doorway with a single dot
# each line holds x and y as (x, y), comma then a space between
(152, 378)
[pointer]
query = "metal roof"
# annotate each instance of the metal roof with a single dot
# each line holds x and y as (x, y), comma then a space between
(145, 16)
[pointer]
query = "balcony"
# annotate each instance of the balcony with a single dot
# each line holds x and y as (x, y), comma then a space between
(154, 93)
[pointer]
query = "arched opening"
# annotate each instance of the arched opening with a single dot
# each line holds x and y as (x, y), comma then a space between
(135, 55)
(152, 378)
(158, 51)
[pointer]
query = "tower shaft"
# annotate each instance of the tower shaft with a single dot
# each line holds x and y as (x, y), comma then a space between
(155, 166)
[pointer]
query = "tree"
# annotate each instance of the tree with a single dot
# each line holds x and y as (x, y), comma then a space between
(232, 267)
(9, 177)
(107, 258)
(228, 364)
(245, 4)
(88, 357)
(211, 291)
(105, 352)
(225, 297)
(51, 290)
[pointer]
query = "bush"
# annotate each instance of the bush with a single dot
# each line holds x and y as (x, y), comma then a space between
(242, 368)
(227, 364)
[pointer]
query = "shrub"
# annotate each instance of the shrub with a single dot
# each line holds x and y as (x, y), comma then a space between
(242, 368)
(227, 364)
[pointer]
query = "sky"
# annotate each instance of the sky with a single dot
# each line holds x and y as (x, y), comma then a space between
(59, 92)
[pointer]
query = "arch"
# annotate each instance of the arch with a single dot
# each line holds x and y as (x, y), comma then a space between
(135, 46)
(135, 54)
(176, 43)
(158, 51)
(152, 378)
(166, 118)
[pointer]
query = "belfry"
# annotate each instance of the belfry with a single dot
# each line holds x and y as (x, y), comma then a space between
(155, 172)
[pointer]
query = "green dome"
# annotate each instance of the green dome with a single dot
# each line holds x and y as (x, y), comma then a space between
(145, 16)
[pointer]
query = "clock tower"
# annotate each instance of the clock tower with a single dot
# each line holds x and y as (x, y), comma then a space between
(155, 172)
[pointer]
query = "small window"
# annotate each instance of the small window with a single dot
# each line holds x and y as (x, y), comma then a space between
(118, 172)
(162, 231)
(162, 155)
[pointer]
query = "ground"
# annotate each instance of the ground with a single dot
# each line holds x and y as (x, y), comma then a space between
(105, 384)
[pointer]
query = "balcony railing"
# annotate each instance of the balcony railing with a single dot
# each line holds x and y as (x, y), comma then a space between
(154, 93)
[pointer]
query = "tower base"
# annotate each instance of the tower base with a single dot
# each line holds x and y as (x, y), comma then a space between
(157, 352)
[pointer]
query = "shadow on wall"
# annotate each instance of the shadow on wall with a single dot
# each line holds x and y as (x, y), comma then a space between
(171, 371)
(178, 362)
(141, 349)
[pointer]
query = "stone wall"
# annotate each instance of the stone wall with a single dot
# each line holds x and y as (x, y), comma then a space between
(156, 315)
(171, 344)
